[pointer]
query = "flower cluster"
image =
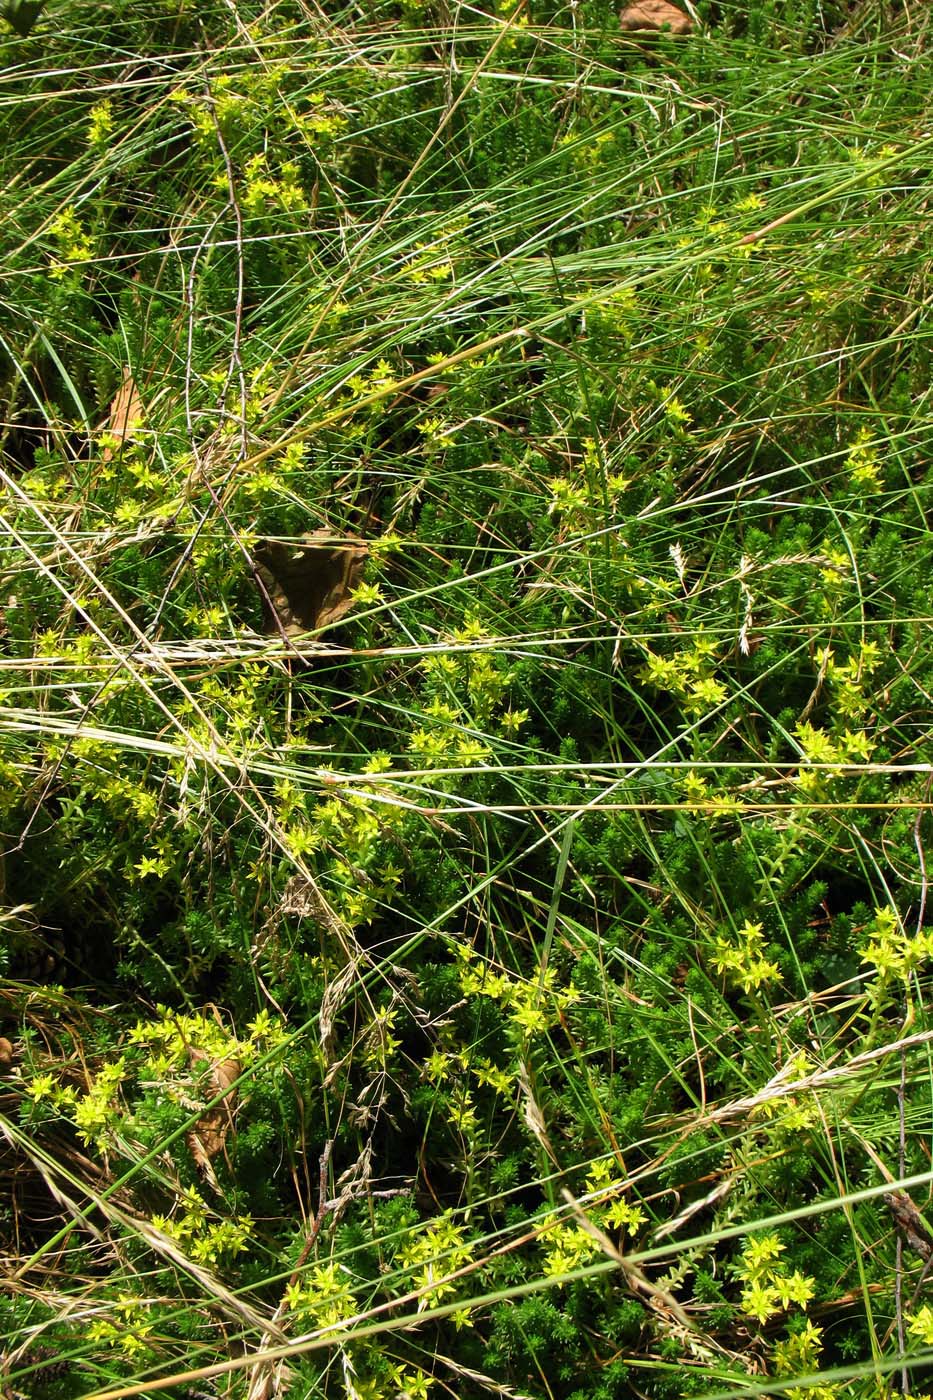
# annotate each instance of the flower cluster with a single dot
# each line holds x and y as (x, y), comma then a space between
(73, 244)
(768, 1289)
(891, 950)
(533, 1006)
(740, 958)
(689, 675)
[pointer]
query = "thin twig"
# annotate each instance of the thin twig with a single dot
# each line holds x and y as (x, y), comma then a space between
(901, 1121)
(265, 1377)
(899, 1246)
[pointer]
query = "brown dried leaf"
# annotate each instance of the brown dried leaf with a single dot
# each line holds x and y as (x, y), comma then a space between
(910, 1223)
(125, 415)
(206, 1139)
(657, 15)
(310, 581)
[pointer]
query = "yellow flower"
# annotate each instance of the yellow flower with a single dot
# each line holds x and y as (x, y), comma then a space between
(42, 1087)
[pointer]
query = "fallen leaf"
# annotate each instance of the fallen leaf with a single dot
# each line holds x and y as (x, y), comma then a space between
(910, 1223)
(209, 1134)
(310, 581)
(657, 15)
(125, 415)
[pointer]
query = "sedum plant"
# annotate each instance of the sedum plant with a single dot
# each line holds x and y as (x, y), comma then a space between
(465, 664)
